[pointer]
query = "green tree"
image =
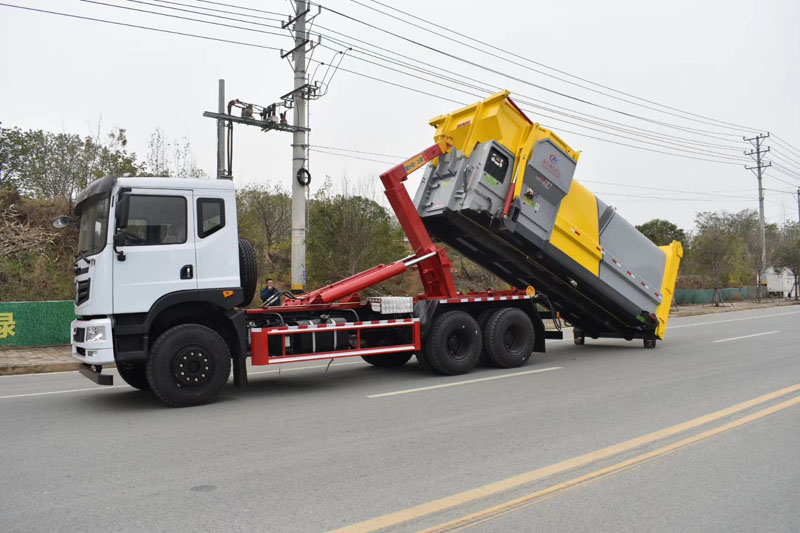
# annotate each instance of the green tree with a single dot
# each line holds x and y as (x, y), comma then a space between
(13, 151)
(662, 232)
(787, 254)
(717, 250)
(348, 234)
(264, 216)
(57, 165)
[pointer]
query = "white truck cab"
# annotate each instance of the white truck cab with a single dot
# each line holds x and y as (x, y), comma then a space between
(155, 253)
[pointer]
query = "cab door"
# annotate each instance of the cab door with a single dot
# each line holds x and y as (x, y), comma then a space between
(157, 249)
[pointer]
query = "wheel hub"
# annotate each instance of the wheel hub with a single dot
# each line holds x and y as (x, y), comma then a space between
(192, 367)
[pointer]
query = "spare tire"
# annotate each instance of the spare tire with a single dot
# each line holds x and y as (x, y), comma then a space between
(248, 271)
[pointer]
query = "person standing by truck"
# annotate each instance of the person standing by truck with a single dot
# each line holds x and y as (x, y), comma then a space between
(269, 291)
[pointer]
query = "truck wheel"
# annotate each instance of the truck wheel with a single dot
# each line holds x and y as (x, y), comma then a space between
(483, 319)
(509, 338)
(454, 343)
(188, 365)
(387, 360)
(650, 343)
(248, 270)
(134, 375)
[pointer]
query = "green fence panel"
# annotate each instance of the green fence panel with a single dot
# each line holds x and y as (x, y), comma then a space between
(35, 323)
(706, 296)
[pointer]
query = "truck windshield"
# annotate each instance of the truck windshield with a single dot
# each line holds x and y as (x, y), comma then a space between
(94, 225)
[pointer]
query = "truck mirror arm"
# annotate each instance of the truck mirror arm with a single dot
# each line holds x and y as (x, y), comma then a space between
(119, 240)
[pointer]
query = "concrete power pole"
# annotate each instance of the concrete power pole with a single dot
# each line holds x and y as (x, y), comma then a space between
(798, 205)
(221, 166)
(759, 169)
(299, 150)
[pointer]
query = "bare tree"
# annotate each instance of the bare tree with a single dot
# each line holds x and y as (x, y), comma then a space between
(268, 210)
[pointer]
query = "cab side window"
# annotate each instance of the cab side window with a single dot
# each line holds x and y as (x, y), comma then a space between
(156, 220)
(210, 216)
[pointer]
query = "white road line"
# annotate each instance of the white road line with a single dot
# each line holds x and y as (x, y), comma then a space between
(99, 388)
(61, 392)
(747, 336)
(731, 320)
(467, 382)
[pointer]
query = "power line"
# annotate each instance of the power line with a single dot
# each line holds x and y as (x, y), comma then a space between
(221, 24)
(776, 178)
(662, 198)
(677, 146)
(524, 100)
(395, 84)
(657, 134)
(273, 19)
(706, 133)
(239, 7)
(275, 48)
(398, 85)
(418, 19)
(785, 144)
(405, 87)
(709, 193)
(500, 73)
(785, 171)
(351, 156)
(786, 159)
(358, 151)
(137, 26)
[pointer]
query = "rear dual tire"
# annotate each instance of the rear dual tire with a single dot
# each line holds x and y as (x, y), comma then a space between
(509, 338)
(454, 343)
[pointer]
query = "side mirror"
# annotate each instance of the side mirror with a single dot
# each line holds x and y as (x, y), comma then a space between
(119, 240)
(123, 206)
(61, 222)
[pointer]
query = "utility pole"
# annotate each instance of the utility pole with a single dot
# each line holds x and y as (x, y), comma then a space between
(268, 118)
(798, 205)
(221, 174)
(759, 169)
(299, 149)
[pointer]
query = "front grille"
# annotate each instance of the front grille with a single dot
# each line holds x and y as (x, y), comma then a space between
(79, 335)
(82, 291)
(81, 351)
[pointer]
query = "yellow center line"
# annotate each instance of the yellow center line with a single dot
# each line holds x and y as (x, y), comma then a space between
(455, 500)
(530, 499)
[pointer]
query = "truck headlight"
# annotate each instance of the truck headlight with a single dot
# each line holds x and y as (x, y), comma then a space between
(95, 333)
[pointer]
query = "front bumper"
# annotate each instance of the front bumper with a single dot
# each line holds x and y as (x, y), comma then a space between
(99, 352)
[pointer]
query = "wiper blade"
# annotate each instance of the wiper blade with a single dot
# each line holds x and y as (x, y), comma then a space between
(81, 255)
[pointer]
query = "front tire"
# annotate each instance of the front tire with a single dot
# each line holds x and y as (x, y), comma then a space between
(188, 365)
(134, 375)
(454, 343)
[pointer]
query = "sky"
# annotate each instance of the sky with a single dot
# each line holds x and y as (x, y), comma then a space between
(620, 81)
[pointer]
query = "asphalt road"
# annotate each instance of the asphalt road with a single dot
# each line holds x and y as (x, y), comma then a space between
(700, 434)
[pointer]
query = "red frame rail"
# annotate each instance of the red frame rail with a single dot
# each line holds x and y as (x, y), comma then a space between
(259, 340)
